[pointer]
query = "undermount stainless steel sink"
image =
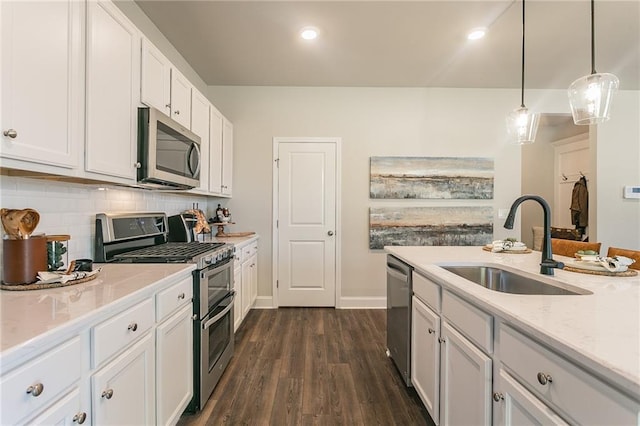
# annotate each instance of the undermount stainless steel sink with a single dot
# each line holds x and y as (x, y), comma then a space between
(504, 281)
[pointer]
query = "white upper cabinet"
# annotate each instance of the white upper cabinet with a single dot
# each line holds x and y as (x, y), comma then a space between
(200, 117)
(227, 157)
(215, 152)
(155, 87)
(113, 87)
(180, 98)
(42, 82)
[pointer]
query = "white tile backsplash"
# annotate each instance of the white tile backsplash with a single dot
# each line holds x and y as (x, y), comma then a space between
(67, 208)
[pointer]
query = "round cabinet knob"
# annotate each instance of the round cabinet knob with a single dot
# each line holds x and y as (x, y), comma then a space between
(107, 394)
(168, 106)
(35, 390)
(497, 397)
(544, 378)
(181, 296)
(80, 418)
(177, 112)
(441, 340)
(11, 133)
(431, 331)
(330, 233)
(132, 327)
(137, 165)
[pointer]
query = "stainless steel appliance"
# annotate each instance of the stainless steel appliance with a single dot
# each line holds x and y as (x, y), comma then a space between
(399, 292)
(181, 227)
(142, 238)
(168, 153)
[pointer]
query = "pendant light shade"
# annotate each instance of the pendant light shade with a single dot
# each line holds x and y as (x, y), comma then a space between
(522, 124)
(590, 96)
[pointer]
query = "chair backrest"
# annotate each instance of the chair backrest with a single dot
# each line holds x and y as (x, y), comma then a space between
(569, 248)
(632, 254)
(538, 236)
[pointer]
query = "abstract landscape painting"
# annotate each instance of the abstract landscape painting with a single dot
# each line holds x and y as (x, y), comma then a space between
(430, 226)
(432, 177)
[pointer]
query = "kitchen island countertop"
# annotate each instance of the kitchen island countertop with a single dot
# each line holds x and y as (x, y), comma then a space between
(599, 330)
(32, 319)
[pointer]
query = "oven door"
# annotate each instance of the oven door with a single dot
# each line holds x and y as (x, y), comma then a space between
(216, 346)
(214, 285)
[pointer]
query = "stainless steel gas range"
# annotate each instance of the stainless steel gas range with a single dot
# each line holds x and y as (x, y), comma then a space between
(142, 238)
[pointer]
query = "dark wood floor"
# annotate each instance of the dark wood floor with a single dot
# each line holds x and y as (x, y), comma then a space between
(308, 366)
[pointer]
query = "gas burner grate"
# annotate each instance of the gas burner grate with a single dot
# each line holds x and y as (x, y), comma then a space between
(171, 251)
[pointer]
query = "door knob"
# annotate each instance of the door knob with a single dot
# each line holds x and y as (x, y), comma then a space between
(330, 233)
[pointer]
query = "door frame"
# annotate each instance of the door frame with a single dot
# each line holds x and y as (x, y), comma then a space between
(274, 201)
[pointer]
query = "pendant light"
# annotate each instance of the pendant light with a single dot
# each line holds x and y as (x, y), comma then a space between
(522, 124)
(590, 96)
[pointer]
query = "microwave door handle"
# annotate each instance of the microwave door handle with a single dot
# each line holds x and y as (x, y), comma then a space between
(194, 146)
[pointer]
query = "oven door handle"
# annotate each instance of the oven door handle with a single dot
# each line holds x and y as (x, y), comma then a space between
(221, 314)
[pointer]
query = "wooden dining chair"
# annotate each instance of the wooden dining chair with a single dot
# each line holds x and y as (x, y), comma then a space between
(570, 247)
(631, 254)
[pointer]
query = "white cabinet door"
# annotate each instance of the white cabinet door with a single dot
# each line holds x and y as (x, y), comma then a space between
(254, 280)
(180, 98)
(174, 366)
(237, 306)
(155, 84)
(227, 157)
(515, 406)
(246, 286)
(215, 152)
(200, 126)
(68, 411)
(42, 81)
(425, 357)
(123, 392)
(465, 381)
(113, 88)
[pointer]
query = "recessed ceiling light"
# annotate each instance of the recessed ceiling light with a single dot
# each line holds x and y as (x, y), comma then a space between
(476, 33)
(309, 33)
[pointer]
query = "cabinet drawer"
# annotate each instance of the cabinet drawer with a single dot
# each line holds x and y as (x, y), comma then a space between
(427, 291)
(114, 334)
(475, 324)
(54, 371)
(249, 250)
(572, 391)
(172, 298)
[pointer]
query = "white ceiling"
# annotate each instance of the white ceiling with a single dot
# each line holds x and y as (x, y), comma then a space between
(400, 43)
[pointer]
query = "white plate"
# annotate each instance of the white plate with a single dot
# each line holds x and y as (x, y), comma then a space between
(592, 266)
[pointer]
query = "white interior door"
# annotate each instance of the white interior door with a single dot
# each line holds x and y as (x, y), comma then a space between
(306, 186)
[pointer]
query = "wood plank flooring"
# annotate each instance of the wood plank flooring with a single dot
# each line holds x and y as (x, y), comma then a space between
(311, 366)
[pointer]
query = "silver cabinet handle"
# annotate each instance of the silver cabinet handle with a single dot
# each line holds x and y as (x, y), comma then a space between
(137, 165)
(168, 106)
(107, 394)
(441, 340)
(330, 233)
(80, 417)
(544, 378)
(497, 397)
(176, 112)
(11, 133)
(431, 331)
(181, 296)
(132, 327)
(35, 390)
(194, 317)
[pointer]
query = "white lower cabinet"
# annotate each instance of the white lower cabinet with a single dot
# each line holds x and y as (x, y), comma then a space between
(237, 304)
(123, 391)
(465, 381)
(65, 412)
(425, 357)
(174, 366)
(245, 279)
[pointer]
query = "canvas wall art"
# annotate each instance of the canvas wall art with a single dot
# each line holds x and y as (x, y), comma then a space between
(430, 226)
(432, 177)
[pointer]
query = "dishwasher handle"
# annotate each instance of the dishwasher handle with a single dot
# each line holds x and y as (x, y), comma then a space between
(397, 274)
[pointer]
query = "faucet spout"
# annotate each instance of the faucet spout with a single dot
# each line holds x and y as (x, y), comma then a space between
(547, 263)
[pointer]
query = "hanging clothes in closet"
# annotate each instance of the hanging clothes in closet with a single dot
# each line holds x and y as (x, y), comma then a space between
(580, 205)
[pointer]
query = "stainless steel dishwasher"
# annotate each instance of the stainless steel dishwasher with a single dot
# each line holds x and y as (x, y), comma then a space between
(399, 292)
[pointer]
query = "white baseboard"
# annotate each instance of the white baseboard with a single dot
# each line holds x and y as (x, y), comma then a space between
(363, 303)
(263, 302)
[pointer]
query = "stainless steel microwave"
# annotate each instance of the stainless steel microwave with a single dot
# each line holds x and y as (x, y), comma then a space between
(168, 153)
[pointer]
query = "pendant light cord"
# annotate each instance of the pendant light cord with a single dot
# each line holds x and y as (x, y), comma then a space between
(522, 82)
(593, 38)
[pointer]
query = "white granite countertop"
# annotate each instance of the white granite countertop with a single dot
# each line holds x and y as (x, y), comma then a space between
(600, 330)
(31, 319)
